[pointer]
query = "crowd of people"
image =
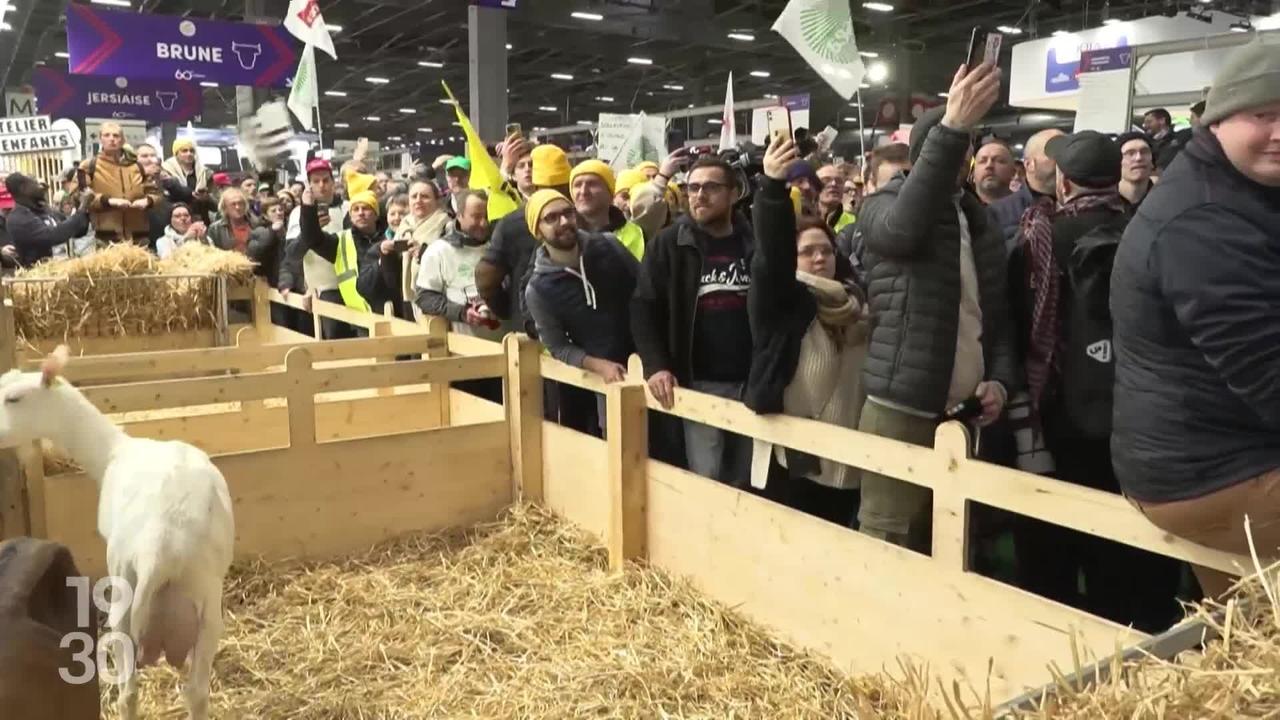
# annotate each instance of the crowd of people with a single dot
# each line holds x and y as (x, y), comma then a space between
(1102, 310)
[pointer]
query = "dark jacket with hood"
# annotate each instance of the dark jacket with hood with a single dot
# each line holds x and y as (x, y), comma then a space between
(34, 232)
(781, 308)
(313, 237)
(912, 235)
(1195, 297)
(585, 310)
(506, 263)
(432, 302)
(666, 299)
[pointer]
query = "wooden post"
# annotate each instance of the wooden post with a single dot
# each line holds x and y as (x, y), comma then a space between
(950, 508)
(262, 312)
(524, 416)
(627, 431)
(438, 347)
(13, 515)
(302, 400)
(383, 329)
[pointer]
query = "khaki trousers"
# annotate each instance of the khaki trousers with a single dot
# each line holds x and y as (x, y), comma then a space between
(893, 510)
(1216, 520)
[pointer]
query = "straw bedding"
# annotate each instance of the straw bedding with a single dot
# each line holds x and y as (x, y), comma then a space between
(123, 290)
(514, 619)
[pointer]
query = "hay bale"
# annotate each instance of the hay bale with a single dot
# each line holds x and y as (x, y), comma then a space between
(122, 290)
(515, 619)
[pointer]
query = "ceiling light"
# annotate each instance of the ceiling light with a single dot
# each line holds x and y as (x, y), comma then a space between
(430, 64)
(561, 76)
(639, 61)
(744, 37)
(335, 93)
(373, 118)
(869, 53)
(508, 46)
(714, 121)
(851, 119)
(1241, 26)
(604, 98)
(114, 3)
(1112, 21)
(760, 73)
(594, 17)
(1009, 29)
(865, 85)
(672, 87)
(395, 137)
(209, 84)
(340, 125)
(333, 28)
(377, 80)
(408, 111)
(585, 122)
(878, 6)
(944, 94)
(446, 101)
(62, 55)
(5, 26)
(1061, 33)
(548, 108)
(771, 96)
(877, 72)
(424, 130)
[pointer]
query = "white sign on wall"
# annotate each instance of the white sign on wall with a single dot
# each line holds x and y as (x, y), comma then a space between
(625, 141)
(19, 102)
(33, 134)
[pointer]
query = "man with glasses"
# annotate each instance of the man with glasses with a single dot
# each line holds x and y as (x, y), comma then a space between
(689, 314)
(831, 198)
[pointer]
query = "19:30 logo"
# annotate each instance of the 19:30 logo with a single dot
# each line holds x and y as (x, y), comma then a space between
(91, 660)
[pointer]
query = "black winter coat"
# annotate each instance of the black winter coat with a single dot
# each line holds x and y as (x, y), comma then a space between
(34, 234)
(912, 256)
(665, 303)
(1195, 296)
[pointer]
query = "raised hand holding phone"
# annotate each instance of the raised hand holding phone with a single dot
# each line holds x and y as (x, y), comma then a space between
(973, 93)
(780, 153)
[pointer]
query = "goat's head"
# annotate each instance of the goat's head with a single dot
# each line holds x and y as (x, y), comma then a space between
(27, 413)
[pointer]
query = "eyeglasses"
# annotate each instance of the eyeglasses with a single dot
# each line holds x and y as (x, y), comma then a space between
(816, 251)
(555, 218)
(709, 188)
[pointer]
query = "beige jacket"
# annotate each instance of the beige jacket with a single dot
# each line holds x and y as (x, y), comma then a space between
(419, 232)
(122, 178)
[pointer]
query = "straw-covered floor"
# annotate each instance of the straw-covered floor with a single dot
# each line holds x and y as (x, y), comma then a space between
(123, 290)
(519, 618)
(1233, 678)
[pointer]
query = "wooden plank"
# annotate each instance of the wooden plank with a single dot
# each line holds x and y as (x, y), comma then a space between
(577, 490)
(950, 509)
(627, 431)
(32, 463)
(128, 397)
(438, 347)
(409, 372)
(101, 345)
(329, 500)
(468, 345)
(466, 409)
(321, 308)
(302, 401)
(524, 416)
(860, 602)
(13, 516)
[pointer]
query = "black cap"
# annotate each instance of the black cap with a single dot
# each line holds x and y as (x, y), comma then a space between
(1124, 139)
(1198, 108)
(1086, 158)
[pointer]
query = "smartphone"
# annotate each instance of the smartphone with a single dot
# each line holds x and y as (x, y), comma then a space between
(967, 410)
(514, 129)
(984, 46)
(778, 122)
(400, 245)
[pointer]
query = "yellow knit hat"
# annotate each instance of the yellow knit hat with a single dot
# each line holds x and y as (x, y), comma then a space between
(597, 168)
(366, 197)
(183, 144)
(550, 166)
(648, 164)
(628, 179)
(538, 203)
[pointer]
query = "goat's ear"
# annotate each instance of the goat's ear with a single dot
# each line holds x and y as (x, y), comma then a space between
(53, 365)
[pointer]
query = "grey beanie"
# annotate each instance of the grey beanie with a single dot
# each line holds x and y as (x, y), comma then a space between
(1249, 78)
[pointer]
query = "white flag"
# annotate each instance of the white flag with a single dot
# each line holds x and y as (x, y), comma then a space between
(307, 24)
(304, 97)
(728, 129)
(822, 32)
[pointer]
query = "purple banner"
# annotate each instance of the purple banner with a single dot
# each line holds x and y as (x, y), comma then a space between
(1105, 59)
(100, 96)
(169, 47)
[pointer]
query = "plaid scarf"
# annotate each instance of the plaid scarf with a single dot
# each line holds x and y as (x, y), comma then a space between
(1044, 277)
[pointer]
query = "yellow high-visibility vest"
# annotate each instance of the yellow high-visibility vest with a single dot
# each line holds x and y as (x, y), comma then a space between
(345, 265)
(632, 238)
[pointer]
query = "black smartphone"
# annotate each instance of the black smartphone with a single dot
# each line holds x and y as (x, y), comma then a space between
(400, 245)
(984, 46)
(970, 409)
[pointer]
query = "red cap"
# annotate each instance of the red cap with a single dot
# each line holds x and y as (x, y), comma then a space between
(319, 164)
(6, 200)
(222, 179)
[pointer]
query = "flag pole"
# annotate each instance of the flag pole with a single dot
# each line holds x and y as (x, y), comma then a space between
(319, 126)
(862, 138)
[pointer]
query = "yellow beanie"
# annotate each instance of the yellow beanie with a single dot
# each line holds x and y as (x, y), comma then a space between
(796, 200)
(366, 197)
(597, 168)
(538, 203)
(550, 166)
(628, 179)
(183, 144)
(648, 165)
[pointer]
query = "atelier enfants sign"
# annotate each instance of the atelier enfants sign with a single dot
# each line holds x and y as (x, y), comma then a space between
(170, 47)
(33, 134)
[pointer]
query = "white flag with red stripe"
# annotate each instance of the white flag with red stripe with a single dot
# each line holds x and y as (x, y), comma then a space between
(306, 23)
(728, 127)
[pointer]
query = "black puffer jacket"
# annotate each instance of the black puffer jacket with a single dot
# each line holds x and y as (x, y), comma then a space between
(912, 256)
(1195, 298)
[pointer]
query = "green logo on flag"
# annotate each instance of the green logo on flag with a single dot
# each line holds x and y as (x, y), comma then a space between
(828, 30)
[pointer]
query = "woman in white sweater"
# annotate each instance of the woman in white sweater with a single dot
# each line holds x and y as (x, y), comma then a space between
(809, 330)
(182, 228)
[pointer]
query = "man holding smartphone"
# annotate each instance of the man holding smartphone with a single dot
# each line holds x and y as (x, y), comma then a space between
(940, 317)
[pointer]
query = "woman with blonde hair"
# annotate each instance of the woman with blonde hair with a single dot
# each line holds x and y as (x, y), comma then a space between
(426, 222)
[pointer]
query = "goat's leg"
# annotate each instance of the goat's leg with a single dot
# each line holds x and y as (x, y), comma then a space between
(196, 689)
(124, 664)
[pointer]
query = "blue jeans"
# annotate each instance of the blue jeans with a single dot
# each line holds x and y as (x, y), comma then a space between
(715, 453)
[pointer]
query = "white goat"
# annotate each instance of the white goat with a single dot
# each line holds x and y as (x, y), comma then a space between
(164, 512)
